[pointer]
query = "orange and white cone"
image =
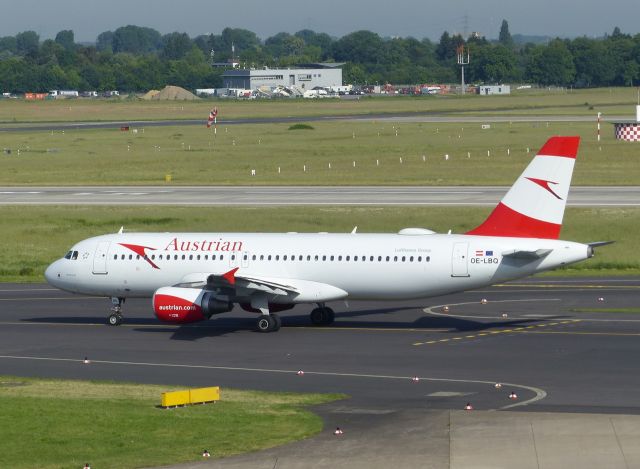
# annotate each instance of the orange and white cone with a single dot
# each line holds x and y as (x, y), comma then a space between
(206, 454)
(300, 373)
(415, 379)
(498, 385)
(513, 396)
(338, 431)
(86, 361)
(445, 309)
(483, 301)
(468, 406)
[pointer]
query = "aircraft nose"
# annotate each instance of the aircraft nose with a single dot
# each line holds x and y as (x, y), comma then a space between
(52, 274)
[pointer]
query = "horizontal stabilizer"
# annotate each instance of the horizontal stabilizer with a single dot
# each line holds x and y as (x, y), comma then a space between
(531, 255)
(600, 243)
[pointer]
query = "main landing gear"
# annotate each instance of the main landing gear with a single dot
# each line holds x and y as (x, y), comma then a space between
(322, 315)
(268, 323)
(115, 318)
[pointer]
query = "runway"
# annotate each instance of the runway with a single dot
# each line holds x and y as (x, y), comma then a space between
(298, 195)
(399, 117)
(535, 336)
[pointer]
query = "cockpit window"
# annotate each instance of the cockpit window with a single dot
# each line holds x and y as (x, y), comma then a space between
(73, 255)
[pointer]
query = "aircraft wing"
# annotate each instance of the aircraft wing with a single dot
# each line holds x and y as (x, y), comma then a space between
(234, 284)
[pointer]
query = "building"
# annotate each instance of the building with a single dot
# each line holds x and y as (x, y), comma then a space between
(628, 131)
(485, 90)
(306, 77)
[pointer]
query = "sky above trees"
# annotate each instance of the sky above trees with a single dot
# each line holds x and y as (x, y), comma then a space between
(417, 18)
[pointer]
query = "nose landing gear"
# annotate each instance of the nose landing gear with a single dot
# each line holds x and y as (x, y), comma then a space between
(322, 315)
(115, 318)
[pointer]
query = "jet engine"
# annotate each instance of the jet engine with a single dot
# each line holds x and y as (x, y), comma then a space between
(182, 305)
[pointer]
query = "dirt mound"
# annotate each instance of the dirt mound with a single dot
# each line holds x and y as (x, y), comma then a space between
(150, 94)
(174, 93)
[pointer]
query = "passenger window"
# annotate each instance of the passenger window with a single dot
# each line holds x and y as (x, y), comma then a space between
(387, 258)
(308, 258)
(299, 258)
(324, 258)
(277, 257)
(213, 257)
(261, 257)
(403, 258)
(184, 256)
(347, 258)
(254, 257)
(121, 257)
(371, 258)
(221, 257)
(339, 258)
(419, 258)
(115, 257)
(355, 258)
(316, 257)
(190, 257)
(428, 258)
(284, 258)
(331, 258)
(411, 259)
(130, 256)
(395, 258)
(269, 257)
(379, 258)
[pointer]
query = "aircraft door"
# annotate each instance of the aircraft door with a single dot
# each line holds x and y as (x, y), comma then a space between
(459, 260)
(100, 258)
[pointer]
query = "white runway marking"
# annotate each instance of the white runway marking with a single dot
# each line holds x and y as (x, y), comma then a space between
(539, 393)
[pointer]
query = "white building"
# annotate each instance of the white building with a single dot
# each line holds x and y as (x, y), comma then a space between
(307, 77)
(485, 90)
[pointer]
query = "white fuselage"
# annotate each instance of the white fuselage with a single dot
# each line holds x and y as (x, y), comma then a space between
(363, 266)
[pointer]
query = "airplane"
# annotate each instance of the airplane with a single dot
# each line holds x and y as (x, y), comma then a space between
(193, 276)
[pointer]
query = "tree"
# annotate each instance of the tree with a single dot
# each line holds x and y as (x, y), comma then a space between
(105, 41)
(493, 64)
(552, 64)
(505, 36)
(360, 47)
(176, 45)
(136, 40)
(27, 43)
(65, 39)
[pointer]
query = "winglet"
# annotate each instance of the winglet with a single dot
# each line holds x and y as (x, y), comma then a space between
(231, 276)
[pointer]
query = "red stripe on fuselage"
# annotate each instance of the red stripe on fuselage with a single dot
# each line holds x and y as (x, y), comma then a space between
(505, 221)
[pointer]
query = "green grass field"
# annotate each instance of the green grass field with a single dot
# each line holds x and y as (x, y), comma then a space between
(64, 424)
(384, 153)
(35, 236)
(610, 101)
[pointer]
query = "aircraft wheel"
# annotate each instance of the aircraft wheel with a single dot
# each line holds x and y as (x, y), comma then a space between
(267, 323)
(115, 319)
(278, 321)
(322, 316)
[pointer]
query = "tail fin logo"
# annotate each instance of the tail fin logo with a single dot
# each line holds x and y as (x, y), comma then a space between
(545, 185)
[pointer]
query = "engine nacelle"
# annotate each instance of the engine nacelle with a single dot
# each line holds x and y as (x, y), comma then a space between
(182, 305)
